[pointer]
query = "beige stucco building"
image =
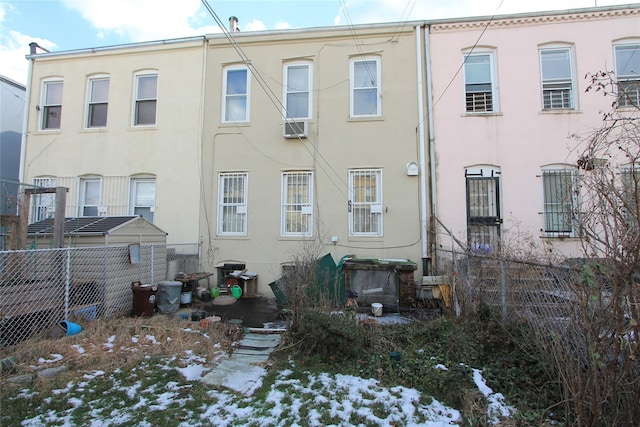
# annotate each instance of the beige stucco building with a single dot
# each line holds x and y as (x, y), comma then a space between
(121, 129)
(347, 139)
(191, 134)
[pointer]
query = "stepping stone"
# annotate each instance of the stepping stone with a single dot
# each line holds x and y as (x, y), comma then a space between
(260, 341)
(237, 376)
(250, 359)
(253, 352)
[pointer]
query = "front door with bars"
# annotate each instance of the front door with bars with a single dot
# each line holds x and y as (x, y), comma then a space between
(483, 213)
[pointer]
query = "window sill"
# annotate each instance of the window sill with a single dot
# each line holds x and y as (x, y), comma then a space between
(366, 119)
(48, 131)
(366, 238)
(144, 127)
(232, 237)
(628, 108)
(295, 238)
(94, 130)
(484, 114)
(560, 111)
(234, 124)
(559, 236)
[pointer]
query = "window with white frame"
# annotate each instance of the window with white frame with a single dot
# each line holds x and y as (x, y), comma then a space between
(143, 197)
(232, 203)
(297, 87)
(557, 78)
(90, 194)
(51, 104)
(97, 102)
(297, 204)
(365, 78)
(43, 206)
(560, 200)
(146, 99)
(236, 85)
(365, 202)
(628, 74)
(479, 83)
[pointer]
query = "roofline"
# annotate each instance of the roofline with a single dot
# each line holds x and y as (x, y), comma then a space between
(373, 26)
(12, 82)
(329, 28)
(136, 218)
(117, 47)
(533, 14)
(100, 233)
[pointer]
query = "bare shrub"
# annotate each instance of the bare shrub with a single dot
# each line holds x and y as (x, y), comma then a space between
(298, 277)
(595, 348)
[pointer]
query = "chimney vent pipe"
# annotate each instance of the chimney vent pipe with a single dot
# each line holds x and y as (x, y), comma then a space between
(34, 46)
(233, 25)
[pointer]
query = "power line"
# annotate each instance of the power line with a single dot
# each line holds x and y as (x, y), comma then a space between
(273, 98)
(463, 62)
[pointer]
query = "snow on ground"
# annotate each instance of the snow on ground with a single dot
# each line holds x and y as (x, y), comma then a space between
(497, 408)
(292, 400)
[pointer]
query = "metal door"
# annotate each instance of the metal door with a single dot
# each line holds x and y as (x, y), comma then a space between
(483, 213)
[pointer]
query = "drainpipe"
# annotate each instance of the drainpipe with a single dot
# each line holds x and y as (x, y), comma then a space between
(25, 120)
(421, 152)
(432, 139)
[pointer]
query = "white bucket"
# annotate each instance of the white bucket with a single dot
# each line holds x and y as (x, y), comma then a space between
(185, 298)
(376, 309)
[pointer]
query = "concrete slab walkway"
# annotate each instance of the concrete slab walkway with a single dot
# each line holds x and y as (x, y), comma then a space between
(243, 371)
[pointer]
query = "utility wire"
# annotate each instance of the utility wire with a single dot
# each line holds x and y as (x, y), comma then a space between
(463, 63)
(273, 98)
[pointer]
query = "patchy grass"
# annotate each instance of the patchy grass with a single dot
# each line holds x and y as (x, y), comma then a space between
(133, 371)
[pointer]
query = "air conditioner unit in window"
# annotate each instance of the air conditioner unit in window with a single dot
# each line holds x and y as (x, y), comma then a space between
(296, 130)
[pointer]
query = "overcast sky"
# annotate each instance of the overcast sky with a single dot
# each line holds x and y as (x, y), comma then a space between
(60, 25)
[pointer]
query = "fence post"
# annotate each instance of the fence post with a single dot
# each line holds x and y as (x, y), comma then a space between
(67, 283)
(503, 288)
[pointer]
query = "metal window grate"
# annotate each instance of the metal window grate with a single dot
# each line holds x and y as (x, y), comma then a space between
(559, 201)
(557, 96)
(297, 209)
(629, 93)
(483, 212)
(479, 102)
(232, 208)
(366, 202)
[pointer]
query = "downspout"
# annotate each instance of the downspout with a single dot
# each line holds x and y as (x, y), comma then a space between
(202, 212)
(421, 153)
(432, 139)
(25, 119)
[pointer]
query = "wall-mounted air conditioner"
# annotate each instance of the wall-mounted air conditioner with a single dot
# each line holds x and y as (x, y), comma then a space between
(298, 129)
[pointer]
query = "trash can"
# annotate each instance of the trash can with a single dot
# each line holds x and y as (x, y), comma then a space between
(168, 297)
(144, 299)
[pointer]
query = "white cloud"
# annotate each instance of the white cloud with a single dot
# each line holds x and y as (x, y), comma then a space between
(283, 26)
(255, 25)
(14, 46)
(142, 20)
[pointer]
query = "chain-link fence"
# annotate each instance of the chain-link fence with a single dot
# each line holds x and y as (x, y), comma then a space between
(545, 296)
(39, 288)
